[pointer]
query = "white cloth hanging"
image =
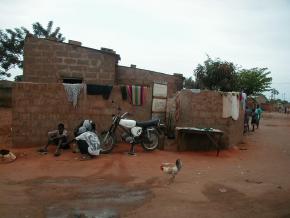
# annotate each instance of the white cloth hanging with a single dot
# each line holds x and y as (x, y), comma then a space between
(227, 105)
(244, 98)
(73, 91)
(231, 105)
(235, 107)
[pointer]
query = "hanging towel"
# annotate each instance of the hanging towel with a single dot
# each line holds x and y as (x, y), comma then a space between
(244, 98)
(129, 93)
(235, 106)
(177, 107)
(73, 91)
(137, 94)
(144, 94)
(227, 105)
(124, 92)
(103, 90)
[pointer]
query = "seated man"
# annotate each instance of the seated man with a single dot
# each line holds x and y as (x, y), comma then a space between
(57, 137)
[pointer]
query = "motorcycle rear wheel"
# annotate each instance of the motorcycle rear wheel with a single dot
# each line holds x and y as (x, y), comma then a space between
(107, 141)
(153, 141)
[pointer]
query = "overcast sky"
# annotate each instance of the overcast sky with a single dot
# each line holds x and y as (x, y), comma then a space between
(171, 36)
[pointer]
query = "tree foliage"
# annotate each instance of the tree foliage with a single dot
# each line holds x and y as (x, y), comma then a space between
(189, 83)
(224, 76)
(18, 78)
(216, 75)
(274, 92)
(254, 81)
(11, 49)
(12, 43)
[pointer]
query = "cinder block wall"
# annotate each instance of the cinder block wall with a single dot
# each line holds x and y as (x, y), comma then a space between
(204, 110)
(132, 75)
(47, 61)
(39, 107)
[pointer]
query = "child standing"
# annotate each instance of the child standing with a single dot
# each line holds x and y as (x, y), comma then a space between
(254, 119)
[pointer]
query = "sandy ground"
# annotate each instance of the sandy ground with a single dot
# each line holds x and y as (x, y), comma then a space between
(251, 180)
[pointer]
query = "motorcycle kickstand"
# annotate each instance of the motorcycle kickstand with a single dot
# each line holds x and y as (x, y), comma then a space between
(132, 150)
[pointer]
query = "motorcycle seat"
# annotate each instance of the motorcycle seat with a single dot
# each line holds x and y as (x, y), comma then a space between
(147, 123)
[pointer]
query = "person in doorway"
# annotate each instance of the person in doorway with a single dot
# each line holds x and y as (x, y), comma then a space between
(259, 114)
(57, 137)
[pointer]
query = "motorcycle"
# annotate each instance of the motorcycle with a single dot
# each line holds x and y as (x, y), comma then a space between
(145, 133)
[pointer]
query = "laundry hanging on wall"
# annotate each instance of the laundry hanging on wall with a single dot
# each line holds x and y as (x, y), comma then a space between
(231, 105)
(104, 90)
(124, 92)
(73, 91)
(137, 94)
(243, 99)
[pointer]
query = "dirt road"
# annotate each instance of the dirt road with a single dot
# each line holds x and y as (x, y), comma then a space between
(252, 180)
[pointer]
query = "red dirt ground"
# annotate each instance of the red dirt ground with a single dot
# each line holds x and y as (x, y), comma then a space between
(251, 180)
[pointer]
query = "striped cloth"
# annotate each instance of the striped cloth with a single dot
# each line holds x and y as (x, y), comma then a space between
(137, 94)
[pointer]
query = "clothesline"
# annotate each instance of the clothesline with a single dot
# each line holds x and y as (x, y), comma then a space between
(135, 94)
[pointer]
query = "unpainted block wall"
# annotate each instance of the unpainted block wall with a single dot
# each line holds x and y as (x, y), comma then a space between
(47, 61)
(131, 75)
(39, 107)
(204, 110)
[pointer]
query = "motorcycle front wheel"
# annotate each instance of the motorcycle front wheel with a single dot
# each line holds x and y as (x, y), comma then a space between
(151, 142)
(107, 141)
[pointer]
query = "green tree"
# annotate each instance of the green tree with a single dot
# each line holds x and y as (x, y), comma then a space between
(216, 75)
(189, 83)
(274, 92)
(11, 49)
(12, 43)
(18, 78)
(254, 81)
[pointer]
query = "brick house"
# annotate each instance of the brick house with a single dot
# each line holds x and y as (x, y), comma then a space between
(40, 102)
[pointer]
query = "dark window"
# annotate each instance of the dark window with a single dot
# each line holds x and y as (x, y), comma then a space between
(72, 80)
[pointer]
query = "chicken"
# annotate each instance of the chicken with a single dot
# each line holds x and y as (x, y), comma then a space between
(171, 169)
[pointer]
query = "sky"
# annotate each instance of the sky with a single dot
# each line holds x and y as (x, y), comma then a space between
(171, 36)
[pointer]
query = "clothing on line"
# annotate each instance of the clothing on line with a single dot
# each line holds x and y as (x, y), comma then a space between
(137, 94)
(104, 90)
(73, 91)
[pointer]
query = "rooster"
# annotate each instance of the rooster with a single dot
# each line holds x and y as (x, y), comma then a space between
(171, 169)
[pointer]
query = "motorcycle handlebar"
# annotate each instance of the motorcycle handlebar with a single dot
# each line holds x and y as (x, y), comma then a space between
(124, 114)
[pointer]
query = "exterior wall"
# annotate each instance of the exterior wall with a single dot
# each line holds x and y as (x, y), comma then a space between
(204, 110)
(267, 107)
(48, 61)
(39, 107)
(135, 76)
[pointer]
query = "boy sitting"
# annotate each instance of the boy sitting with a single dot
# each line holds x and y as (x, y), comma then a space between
(57, 137)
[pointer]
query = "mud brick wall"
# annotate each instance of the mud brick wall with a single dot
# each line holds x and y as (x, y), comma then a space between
(135, 76)
(48, 61)
(39, 107)
(204, 110)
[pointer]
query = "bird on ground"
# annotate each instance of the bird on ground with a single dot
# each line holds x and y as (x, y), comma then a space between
(171, 169)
